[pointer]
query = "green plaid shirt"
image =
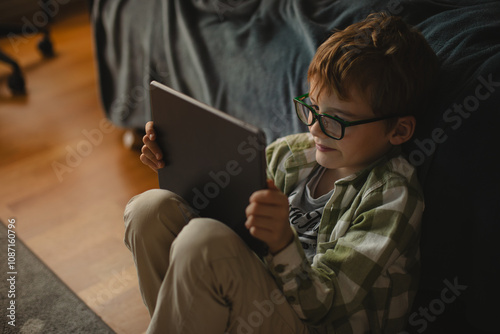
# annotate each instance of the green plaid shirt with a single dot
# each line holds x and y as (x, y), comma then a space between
(364, 275)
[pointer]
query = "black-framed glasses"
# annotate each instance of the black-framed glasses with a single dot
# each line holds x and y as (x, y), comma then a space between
(332, 126)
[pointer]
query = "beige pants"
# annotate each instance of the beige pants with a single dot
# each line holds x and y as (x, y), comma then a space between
(197, 276)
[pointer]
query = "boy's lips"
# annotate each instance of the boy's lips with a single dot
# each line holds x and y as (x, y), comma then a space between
(323, 148)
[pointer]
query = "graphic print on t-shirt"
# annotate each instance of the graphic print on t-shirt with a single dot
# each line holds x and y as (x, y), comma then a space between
(306, 224)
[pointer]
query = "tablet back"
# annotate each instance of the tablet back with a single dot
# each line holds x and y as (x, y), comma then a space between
(213, 160)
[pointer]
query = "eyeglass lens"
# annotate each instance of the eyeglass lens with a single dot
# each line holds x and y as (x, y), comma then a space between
(330, 126)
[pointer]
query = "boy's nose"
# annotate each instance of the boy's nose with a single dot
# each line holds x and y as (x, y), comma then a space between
(315, 130)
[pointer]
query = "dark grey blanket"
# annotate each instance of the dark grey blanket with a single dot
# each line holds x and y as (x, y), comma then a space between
(249, 58)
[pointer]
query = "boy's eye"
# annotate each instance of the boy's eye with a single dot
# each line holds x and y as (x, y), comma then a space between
(337, 117)
(315, 107)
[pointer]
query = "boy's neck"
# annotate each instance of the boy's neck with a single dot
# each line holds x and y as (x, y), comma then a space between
(327, 182)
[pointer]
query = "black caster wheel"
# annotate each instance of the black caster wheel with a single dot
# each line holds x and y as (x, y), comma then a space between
(16, 83)
(45, 46)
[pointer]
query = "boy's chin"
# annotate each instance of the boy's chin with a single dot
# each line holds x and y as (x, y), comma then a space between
(328, 159)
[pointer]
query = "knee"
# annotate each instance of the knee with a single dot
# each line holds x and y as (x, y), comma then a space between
(144, 212)
(207, 248)
(206, 239)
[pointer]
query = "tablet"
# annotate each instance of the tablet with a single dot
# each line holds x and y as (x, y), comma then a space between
(212, 160)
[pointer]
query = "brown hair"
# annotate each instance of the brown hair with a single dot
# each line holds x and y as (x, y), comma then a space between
(386, 60)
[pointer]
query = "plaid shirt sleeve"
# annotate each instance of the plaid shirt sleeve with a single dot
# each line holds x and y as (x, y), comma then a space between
(364, 274)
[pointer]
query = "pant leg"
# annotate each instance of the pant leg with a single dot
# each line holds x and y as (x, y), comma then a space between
(216, 284)
(153, 220)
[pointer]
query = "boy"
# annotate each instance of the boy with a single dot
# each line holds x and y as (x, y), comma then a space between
(341, 215)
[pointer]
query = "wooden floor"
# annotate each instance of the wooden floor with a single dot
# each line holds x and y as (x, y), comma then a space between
(65, 176)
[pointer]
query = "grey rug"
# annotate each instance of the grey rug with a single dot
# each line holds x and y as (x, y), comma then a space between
(34, 299)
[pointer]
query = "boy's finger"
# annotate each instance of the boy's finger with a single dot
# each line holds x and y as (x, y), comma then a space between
(259, 233)
(149, 154)
(259, 223)
(258, 210)
(150, 131)
(145, 160)
(153, 146)
(269, 196)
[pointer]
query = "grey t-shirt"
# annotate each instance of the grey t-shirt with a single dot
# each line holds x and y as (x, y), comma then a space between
(305, 211)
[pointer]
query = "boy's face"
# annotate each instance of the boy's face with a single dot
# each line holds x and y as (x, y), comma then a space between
(361, 145)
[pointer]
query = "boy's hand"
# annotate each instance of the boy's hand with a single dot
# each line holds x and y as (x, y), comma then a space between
(151, 154)
(268, 218)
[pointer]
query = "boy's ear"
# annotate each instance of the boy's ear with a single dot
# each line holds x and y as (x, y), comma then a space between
(403, 130)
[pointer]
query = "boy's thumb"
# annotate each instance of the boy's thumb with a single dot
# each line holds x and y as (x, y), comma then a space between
(271, 185)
